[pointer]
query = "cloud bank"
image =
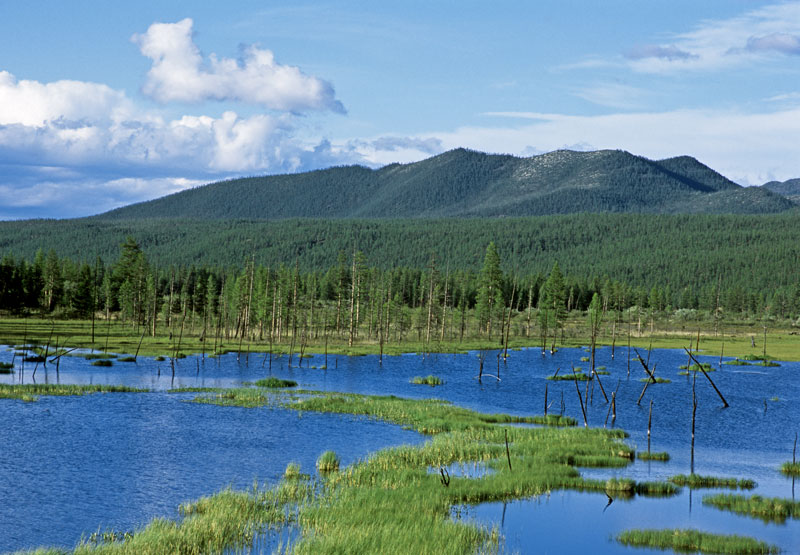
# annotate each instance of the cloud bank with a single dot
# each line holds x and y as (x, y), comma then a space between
(65, 142)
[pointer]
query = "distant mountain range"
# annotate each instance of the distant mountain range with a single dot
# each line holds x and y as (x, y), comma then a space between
(464, 183)
(789, 189)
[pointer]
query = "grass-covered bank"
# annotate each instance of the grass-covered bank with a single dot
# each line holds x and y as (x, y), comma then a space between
(31, 392)
(731, 339)
(694, 541)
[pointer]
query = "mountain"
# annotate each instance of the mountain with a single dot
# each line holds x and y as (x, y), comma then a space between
(465, 183)
(789, 189)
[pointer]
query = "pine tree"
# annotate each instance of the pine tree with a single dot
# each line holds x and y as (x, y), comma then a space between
(490, 289)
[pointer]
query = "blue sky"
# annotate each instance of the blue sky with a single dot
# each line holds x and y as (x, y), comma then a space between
(106, 103)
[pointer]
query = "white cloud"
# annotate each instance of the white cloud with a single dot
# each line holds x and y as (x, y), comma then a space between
(180, 73)
(724, 43)
(60, 102)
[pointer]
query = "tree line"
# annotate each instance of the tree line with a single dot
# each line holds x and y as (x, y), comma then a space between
(351, 299)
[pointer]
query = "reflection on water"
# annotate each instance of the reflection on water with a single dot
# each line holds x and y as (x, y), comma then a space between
(117, 460)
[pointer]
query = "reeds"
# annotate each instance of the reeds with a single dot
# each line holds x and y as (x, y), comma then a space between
(328, 462)
(696, 481)
(275, 383)
(29, 392)
(691, 541)
(768, 509)
(657, 380)
(577, 376)
(427, 380)
(662, 456)
(791, 469)
(95, 356)
(696, 367)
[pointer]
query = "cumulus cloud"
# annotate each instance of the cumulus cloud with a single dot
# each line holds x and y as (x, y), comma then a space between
(180, 73)
(69, 123)
(33, 103)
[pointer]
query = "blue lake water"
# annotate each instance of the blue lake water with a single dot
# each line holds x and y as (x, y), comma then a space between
(70, 466)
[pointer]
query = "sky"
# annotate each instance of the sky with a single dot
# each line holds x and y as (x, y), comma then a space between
(103, 104)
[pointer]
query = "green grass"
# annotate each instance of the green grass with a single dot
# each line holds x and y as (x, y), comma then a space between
(653, 456)
(292, 472)
(427, 380)
(29, 392)
(656, 489)
(584, 359)
(791, 469)
(102, 362)
(694, 541)
(196, 390)
(127, 359)
(768, 509)
(579, 376)
(275, 383)
(658, 380)
(738, 362)
(696, 368)
(328, 462)
(95, 356)
(696, 481)
(6, 368)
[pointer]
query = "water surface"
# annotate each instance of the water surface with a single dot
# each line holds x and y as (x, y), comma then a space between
(72, 465)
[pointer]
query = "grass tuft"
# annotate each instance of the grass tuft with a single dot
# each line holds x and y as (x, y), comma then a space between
(328, 462)
(29, 392)
(696, 481)
(102, 362)
(768, 509)
(275, 383)
(653, 456)
(427, 380)
(658, 380)
(579, 376)
(791, 469)
(692, 541)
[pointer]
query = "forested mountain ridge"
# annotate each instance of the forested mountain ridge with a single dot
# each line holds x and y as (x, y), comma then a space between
(789, 188)
(464, 183)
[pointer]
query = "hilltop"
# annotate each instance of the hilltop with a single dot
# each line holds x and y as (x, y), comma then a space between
(465, 183)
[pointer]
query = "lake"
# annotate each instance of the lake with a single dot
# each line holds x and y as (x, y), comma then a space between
(70, 466)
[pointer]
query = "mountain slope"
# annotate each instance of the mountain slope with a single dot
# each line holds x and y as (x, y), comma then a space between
(789, 189)
(462, 183)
